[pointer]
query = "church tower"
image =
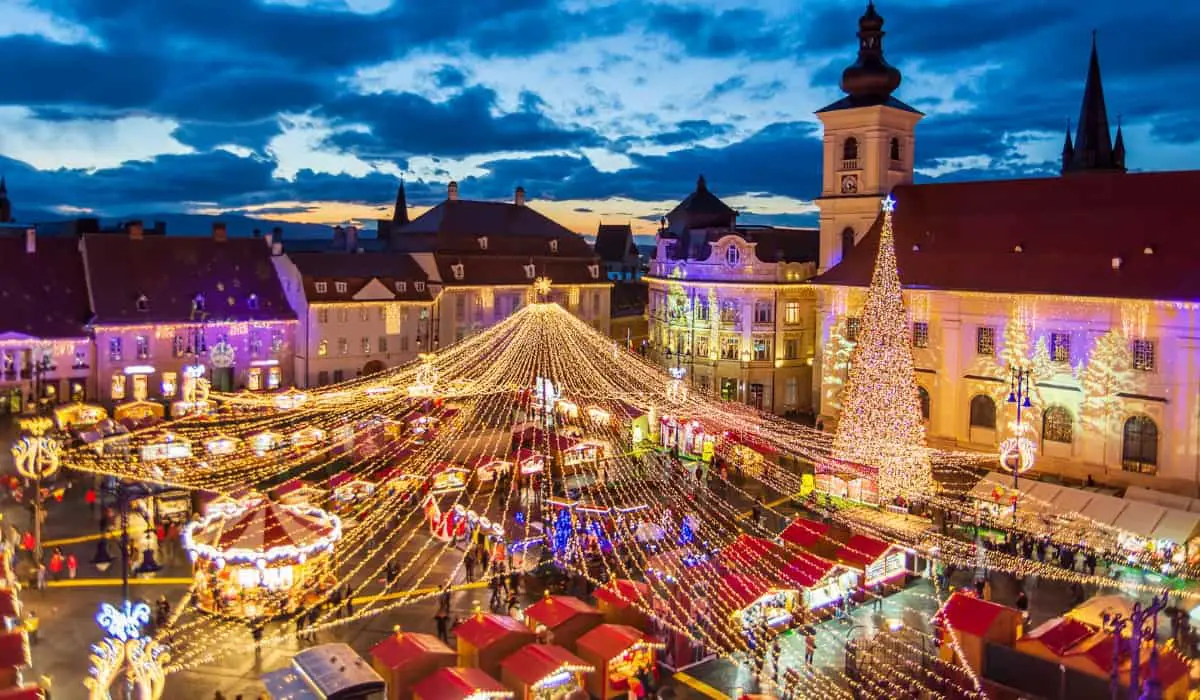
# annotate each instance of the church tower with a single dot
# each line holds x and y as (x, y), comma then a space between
(868, 144)
(1093, 149)
(5, 205)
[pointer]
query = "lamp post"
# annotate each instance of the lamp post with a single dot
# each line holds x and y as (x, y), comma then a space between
(1016, 452)
(36, 457)
(1143, 627)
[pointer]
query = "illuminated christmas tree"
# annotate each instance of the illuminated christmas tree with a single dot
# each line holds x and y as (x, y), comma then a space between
(880, 424)
(1105, 376)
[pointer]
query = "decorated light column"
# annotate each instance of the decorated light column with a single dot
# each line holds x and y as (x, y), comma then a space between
(1017, 451)
(37, 457)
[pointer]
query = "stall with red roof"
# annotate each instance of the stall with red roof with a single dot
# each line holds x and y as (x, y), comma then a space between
(488, 469)
(974, 622)
(823, 582)
(404, 658)
(460, 684)
(448, 478)
(808, 534)
(690, 437)
(746, 451)
(623, 657)
(545, 672)
(622, 602)
(348, 487)
(486, 639)
(564, 619)
(757, 601)
(882, 563)
(14, 656)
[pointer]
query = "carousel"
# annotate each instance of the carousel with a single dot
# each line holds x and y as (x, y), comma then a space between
(262, 560)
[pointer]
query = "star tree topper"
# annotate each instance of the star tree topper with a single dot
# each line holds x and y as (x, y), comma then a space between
(542, 285)
(888, 204)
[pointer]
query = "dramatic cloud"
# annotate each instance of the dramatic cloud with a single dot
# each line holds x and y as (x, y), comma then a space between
(314, 109)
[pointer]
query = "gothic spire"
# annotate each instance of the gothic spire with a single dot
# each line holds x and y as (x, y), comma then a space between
(1068, 149)
(1119, 147)
(400, 213)
(1093, 141)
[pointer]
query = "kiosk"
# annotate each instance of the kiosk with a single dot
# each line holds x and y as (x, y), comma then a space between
(622, 601)
(486, 639)
(545, 672)
(404, 658)
(623, 657)
(563, 618)
(460, 684)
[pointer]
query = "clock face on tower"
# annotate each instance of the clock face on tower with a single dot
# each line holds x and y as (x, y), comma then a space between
(849, 184)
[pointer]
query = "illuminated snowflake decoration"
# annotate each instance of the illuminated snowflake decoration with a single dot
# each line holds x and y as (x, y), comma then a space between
(124, 623)
(1018, 452)
(542, 285)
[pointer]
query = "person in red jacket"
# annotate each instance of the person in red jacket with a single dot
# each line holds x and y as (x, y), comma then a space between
(57, 560)
(27, 542)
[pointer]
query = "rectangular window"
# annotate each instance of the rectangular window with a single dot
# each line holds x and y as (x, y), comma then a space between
(1060, 347)
(402, 287)
(985, 340)
(404, 343)
(382, 313)
(702, 346)
(364, 314)
(1143, 354)
(419, 286)
(178, 346)
(274, 377)
(791, 391)
(114, 354)
(323, 348)
(729, 312)
(366, 346)
(322, 315)
(118, 386)
(382, 343)
(338, 376)
(343, 346)
(254, 379)
(853, 325)
(920, 334)
(728, 389)
(256, 346)
(321, 287)
(791, 312)
(170, 383)
(460, 307)
(701, 309)
(143, 347)
(730, 347)
(762, 312)
(791, 349)
(596, 304)
(343, 315)
(276, 342)
(762, 349)
(340, 287)
(322, 378)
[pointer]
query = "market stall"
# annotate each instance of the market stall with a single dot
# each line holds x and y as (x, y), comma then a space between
(810, 535)
(529, 461)
(561, 619)
(460, 684)
(822, 581)
(585, 452)
(488, 469)
(78, 414)
(222, 445)
(14, 656)
(746, 451)
(262, 560)
(349, 488)
(689, 437)
(139, 412)
(448, 478)
(164, 446)
(404, 658)
(625, 659)
(882, 563)
(545, 672)
(326, 671)
(486, 639)
(847, 486)
(623, 602)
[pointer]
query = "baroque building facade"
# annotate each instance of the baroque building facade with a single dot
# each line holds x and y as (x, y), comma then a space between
(1080, 280)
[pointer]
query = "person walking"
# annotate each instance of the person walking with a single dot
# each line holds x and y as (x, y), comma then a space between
(72, 566)
(810, 646)
(41, 576)
(443, 625)
(469, 566)
(57, 561)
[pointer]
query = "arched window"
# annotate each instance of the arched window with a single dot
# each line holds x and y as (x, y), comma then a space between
(1139, 451)
(847, 241)
(850, 149)
(1058, 425)
(923, 395)
(983, 412)
(895, 149)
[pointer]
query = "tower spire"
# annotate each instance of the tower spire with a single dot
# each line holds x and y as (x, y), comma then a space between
(400, 213)
(870, 79)
(1093, 148)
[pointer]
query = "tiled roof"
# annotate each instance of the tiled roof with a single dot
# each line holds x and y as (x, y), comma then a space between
(613, 242)
(455, 226)
(555, 610)
(42, 294)
(783, 244)
(494, 269)
(170, 271)
(357, 270)
(964, 236)
(536, 662)
(701, 209)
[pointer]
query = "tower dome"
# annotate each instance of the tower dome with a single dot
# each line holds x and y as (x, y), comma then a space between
(871, 76)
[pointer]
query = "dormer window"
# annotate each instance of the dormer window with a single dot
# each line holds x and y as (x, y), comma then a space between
(530, 271)
(340, 287)
(457, 270)
(402, 287)
(198, 302)
(553, 246)
(321, 287)
(143, 304)
(482, 242)
(419, 286)
(594, 271)
(732, 255)
(252, 302)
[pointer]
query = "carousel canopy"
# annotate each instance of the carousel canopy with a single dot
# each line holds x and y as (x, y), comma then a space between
(267, 525)
(553, 611)
(397, 651)
(606, 641)
(459, 684)
(535, 663)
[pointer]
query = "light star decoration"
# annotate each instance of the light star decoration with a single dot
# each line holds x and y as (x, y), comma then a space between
(542, 286)
(888, 204)
(124, 623)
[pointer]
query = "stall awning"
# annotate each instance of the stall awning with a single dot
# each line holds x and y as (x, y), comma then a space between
(986, 489)
(743, 589)
(1140, 518)
(459, 684)
(624, 593)
(862, 551)
(1070, 501)
(1104, 509)
(751, 441)
(746, 550)
(607, 641)
(1039, 496)
(807, 570)
(397, 651)
(534, 663)
(804, 533)
(1166, 500)
(1178, 526)
(554, 610)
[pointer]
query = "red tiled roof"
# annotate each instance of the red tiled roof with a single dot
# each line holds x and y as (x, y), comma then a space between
(457, 684)
(862, 550)
(358, 270)
(536, 662)
(43, 294)
(482, 631)
(622, 593)
(969, 615)
(557, 609)
(400, 650)
(807, 570)
(606, 641)
(1069, 230)
(170, 271)
(804, 533)
(14, 650)
(493, 268)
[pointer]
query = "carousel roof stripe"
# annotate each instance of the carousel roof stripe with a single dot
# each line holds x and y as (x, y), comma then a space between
(458, 683)
(557, 609)
(608, 640)
(269, 525)
(534, 663)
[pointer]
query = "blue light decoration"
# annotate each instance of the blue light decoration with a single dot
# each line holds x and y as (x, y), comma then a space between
(888, 204)
(686, 533)
(124, 623)
(519, 517)
(594, 528)
(562, 531)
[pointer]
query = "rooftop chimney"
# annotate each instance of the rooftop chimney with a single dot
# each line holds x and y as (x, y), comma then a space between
(452, 191)
(31, 240)
(269, 238)
(257, 233)
(351, 239)
(136, 232)
(219, 232)
(277, 248)
(519, 198)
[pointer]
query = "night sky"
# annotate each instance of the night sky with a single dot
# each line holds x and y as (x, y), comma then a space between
(312, 110)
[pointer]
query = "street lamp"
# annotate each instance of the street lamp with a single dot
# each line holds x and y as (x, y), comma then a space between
(36, 456)
(1016, 452)
(1143, 627)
